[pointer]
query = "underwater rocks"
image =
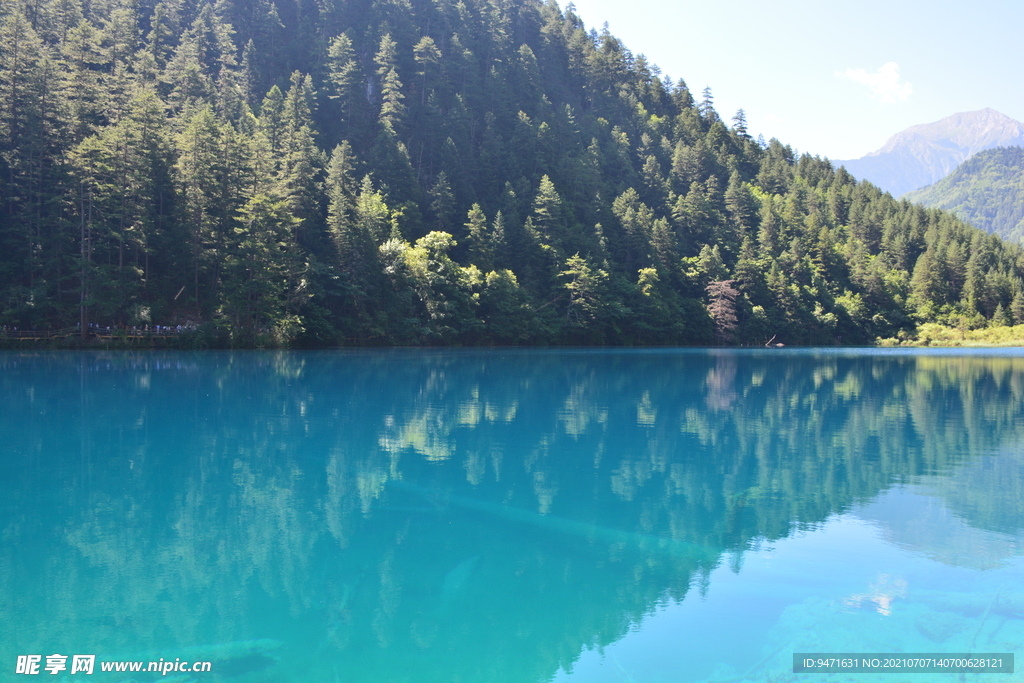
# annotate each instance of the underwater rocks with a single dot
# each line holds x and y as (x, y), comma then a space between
(889, 617)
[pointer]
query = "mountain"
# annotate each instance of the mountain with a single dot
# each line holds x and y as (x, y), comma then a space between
(444, 172)
(987, 191)
(922, 154)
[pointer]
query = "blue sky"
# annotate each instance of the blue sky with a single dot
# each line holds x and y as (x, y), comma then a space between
(830, 78)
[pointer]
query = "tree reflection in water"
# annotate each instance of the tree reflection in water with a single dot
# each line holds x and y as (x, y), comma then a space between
(453, 515)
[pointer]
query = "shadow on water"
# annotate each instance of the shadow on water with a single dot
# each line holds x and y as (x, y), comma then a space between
(440, 515)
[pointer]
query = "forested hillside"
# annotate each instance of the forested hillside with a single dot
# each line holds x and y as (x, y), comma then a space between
(923, 154)
(987, 191)
(429, 171)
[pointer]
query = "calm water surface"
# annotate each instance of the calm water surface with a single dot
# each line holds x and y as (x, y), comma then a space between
(507, 516)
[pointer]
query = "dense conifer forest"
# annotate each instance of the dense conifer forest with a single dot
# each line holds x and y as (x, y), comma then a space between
(987, 191)
(432, 172)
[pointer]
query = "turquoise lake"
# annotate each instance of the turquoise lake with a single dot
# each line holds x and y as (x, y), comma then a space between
(510, 516)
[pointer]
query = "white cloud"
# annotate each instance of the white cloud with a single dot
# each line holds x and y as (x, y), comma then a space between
(885, 83)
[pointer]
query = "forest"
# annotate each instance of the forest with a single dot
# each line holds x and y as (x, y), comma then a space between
(433, 172)
(985, 190)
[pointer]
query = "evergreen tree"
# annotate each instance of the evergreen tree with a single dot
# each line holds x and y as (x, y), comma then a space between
(547, 213)
(586, 296)
(707, 106)
(200, 172)
(442, 202)
(1001, 317)
(139, 179)
(259, 271)
(740, 124)
(1017, 308)
(353, 232)
(343, 72)
(481, 252)
(392, 110)
(428, 58)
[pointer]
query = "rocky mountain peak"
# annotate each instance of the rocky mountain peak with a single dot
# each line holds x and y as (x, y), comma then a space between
(922, 154)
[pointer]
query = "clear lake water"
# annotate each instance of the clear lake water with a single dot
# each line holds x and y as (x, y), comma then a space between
(510, 515)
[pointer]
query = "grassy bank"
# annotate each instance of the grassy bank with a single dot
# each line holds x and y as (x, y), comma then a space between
(933, 334)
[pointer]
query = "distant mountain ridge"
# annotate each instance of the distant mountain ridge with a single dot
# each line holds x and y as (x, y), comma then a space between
(922, 154)
(987, 190)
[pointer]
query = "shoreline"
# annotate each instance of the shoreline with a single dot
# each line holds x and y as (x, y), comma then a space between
(927, 335)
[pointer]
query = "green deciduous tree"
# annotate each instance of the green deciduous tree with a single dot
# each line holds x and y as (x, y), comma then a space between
(444, 287)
